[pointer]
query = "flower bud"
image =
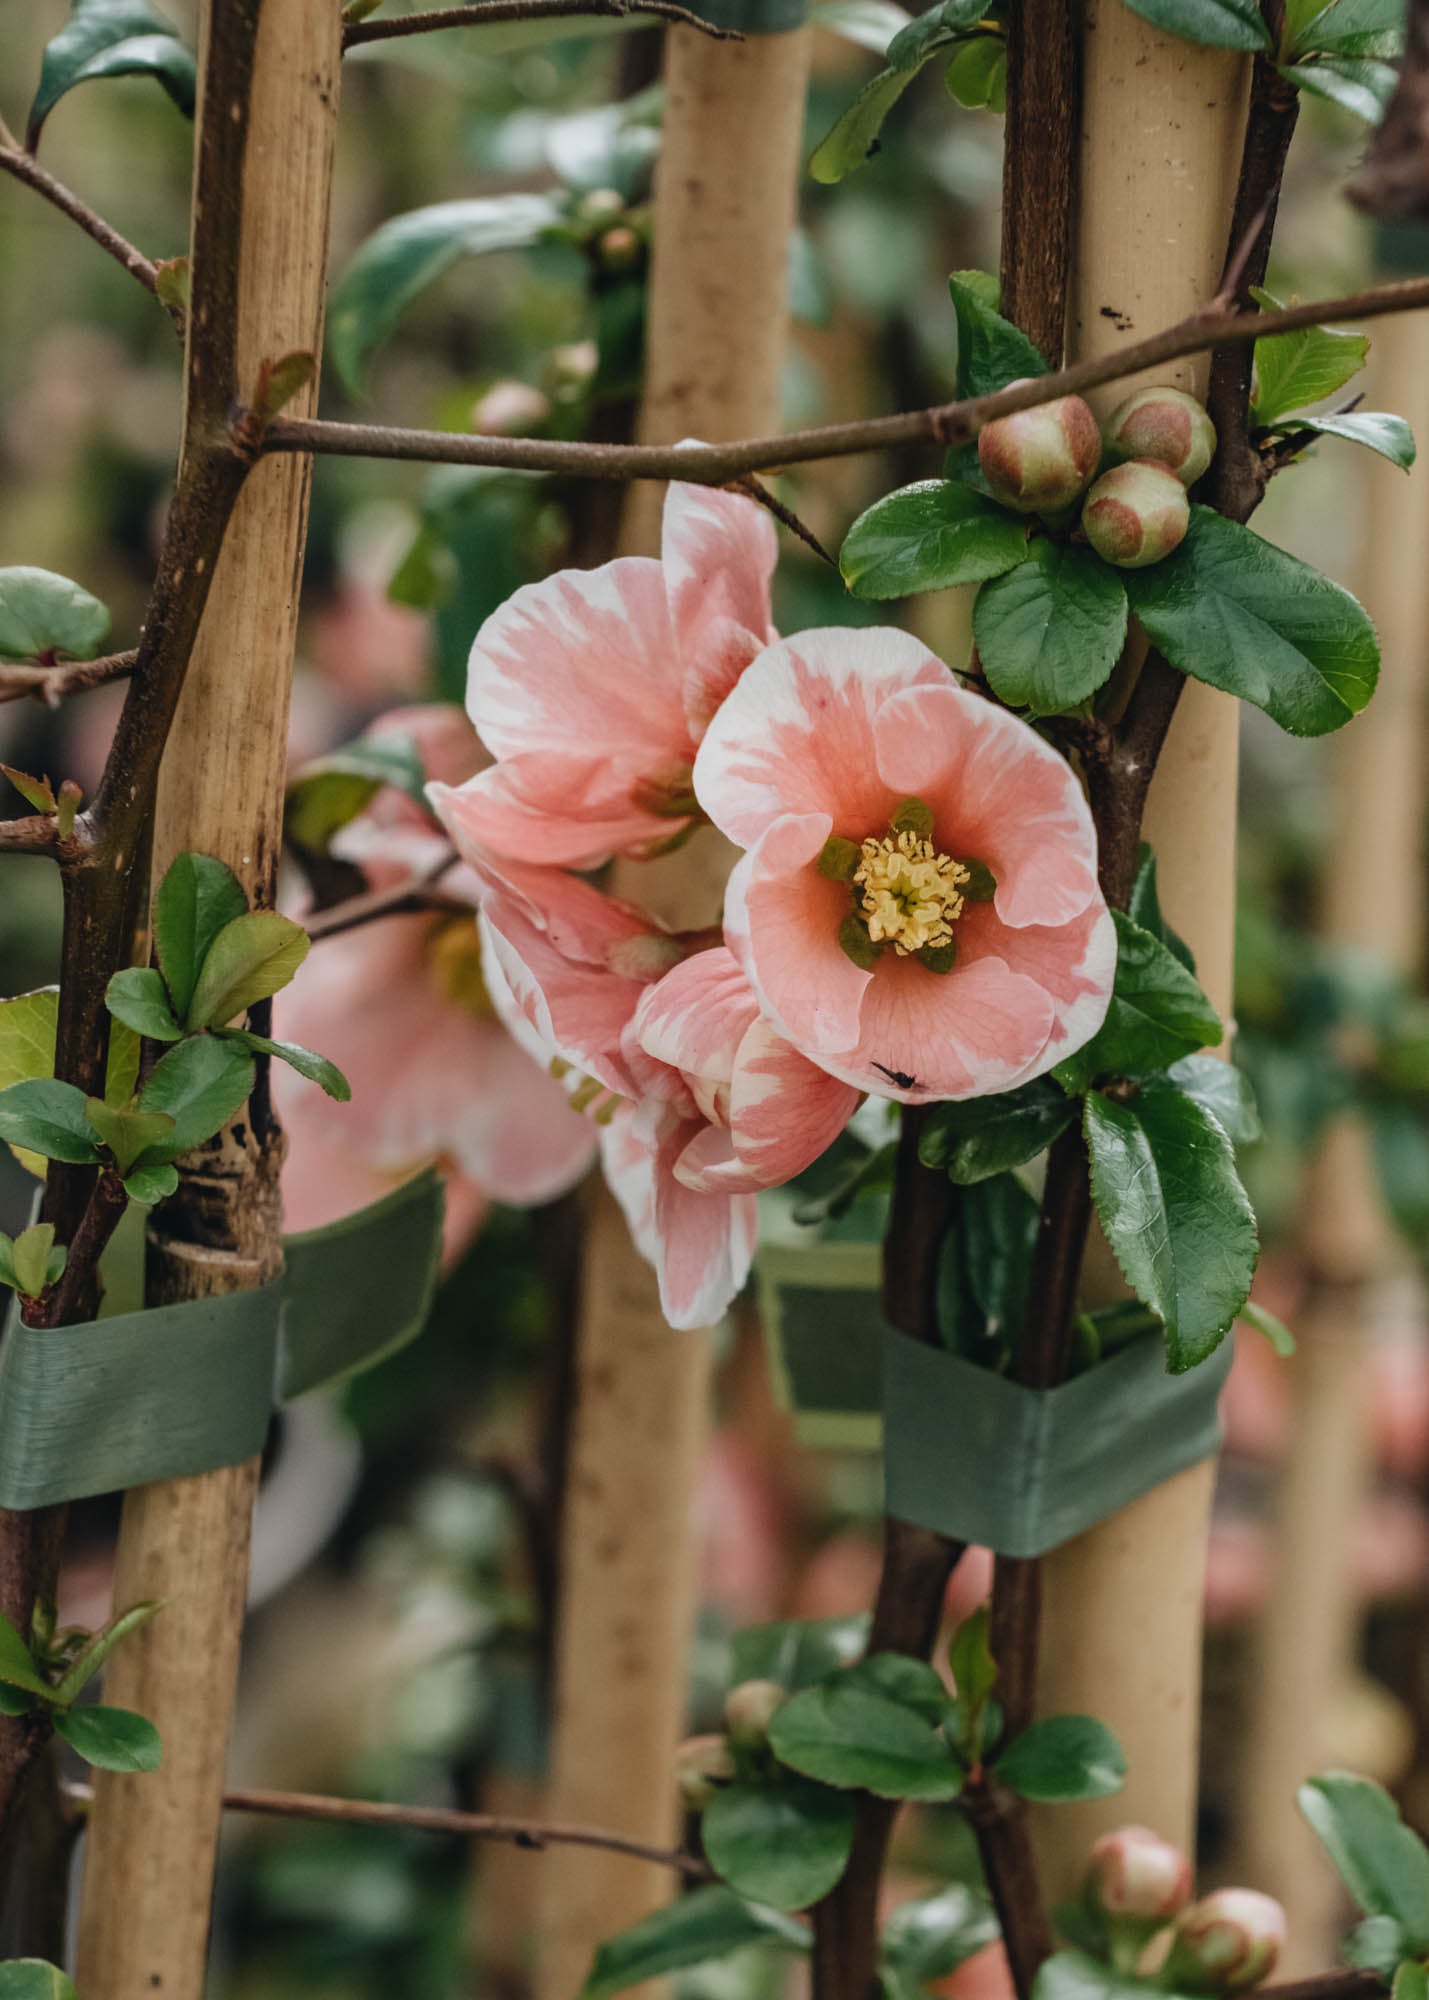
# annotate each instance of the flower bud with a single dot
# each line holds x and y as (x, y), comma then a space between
(601, 205)
(509, 409)
(1166, 426)
(702, 1764)
(1228, 1941)
(1134, 1873)
(1136, 514)
(619, 249)
(750, 1708)
(1039, 460)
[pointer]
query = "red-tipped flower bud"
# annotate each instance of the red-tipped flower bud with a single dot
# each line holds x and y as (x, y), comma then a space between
(1136, 514)
(1228, 1941)
(702, 1764)
(1166, 426)
(1135, 1873)
(1039, 460)
(750, 1708)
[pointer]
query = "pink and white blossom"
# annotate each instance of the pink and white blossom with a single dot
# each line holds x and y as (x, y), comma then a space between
(864, 940)
(592, 688)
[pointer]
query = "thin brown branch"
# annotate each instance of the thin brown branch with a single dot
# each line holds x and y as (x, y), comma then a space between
(943, 423)
(402, 899)
(36, 834)
(50, 685)
(25, 167)
(482, 13)
(757, 490)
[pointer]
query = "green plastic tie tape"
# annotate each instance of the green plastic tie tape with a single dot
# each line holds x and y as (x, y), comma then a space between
(176, 1390)
(1019, 1471)
(819, 1308)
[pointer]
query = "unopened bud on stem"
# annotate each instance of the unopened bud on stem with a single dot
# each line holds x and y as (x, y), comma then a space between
(1136, 514)
(1137, 1880)
(1227, 1942)
(1039, 460)
(750, 1708)
(1166, 426)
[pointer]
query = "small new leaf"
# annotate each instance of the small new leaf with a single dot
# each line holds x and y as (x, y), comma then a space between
(252, 957)
(151, 1184)
(848, 1733)
(139, 998)
(18, 1666)
(1060, 1758)
(91, 1657)
(1304, 366)
(36, 792)
(991, 351)
(279, 381)
(112, 1739)
(307, 1062)
(126, 1130)
(197, 898)
(35, 1262)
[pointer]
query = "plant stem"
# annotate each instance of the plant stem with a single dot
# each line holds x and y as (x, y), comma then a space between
(942, 423)
(51, 684)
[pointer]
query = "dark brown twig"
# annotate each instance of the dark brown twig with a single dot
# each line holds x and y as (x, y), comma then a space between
(482, 13)
(402, 899)
(757, 490)
(25, 167)
(50, 685)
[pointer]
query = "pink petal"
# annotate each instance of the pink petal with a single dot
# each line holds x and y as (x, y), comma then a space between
(796, 735)
(784, 1110)
(1073, 962)
(701, 1245)
(718, 552)
(584, 660)
(694, 1020)
(578, 1011)
(784, 926)
(999, 794)
(509, 810)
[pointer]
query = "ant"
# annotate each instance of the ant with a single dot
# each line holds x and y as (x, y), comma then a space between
(898, 1077)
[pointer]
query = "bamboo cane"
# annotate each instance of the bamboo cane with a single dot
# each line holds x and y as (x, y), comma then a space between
(725, 200)
(1307, 1645)
(152, 1840)
(1121, 1634)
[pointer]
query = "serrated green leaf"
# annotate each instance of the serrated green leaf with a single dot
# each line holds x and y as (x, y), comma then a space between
(253, 957)
(34, 1979)
(1377, 430)
(112, 1739)
(848, 1734)
(785, 1845)
(111, 38)
(1050, 631)
(47, 1118)
(41, 613)
(1158, 1014)
(1223, 1090)
(929, 537)
(1179, 1223)
(1061, 1758)
(991, 351)
(1234, 611)
(1382, 1862)
(1303, 366)
(1358, 85)
(411, 252)
(983, 1136)
(706, 1924)
(197, 898)
(18, 1666)
(200, 1083)
(139, 998)
(1213, 24)
(307, 1062)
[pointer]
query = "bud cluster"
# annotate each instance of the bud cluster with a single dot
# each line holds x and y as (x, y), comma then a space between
(1159, 442)
(1137, 1893)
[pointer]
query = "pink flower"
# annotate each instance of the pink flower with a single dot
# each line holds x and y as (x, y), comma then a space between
(701, 1104)
(593, 687)
(917, 908)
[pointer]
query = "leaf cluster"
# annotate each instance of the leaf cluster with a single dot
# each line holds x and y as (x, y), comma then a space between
(46, 1678)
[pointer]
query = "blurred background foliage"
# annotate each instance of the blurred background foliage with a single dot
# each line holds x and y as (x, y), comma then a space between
(403, 1572)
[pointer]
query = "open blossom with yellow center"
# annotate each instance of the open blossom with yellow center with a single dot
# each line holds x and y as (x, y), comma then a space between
(911, 894)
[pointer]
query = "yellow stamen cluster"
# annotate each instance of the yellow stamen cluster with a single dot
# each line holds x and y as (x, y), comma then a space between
(911, 894)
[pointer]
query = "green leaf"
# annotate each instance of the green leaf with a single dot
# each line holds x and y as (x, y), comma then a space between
(1063, 1757)
(977, 74)
(1223, 1090)
(1281, 1339)
(848, 1734)
(126, 1130)
(1411, 1981)
(998, 1230)
(991, 351)
(197, 898)
(332, 790)
(36, 792)
(1376, 1945)
(1050, 631)
(933, 29)
(111, 38)
(307, 1062)
(901, 1678)
(43, 614)
(854, 136)
(1304, 366)
(411, 252)
(1158, 1014)
(1178, 1220)
(27, 1035)
(151, 1184)
(1351, 28)
(1076, 1975)
(113, 1739)
(1382, 1862)
(1359, 86)
(929, 1937)
(983, 1136)
(34, 1260)
(975, 1677)
(139, 998)
(785, 1845)
(1378, 430)
(88, 1661)
(709, 1923)
(280, 380)
(796, 1652)
(253, 957)
(1214, 24)
(1238, 613)
(48, 1118)
(1144, 908)
(928, 537)
(200, 1083)
(34, 1979)
(18, 1666)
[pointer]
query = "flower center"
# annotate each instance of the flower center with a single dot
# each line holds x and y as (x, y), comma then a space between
(910, 893)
